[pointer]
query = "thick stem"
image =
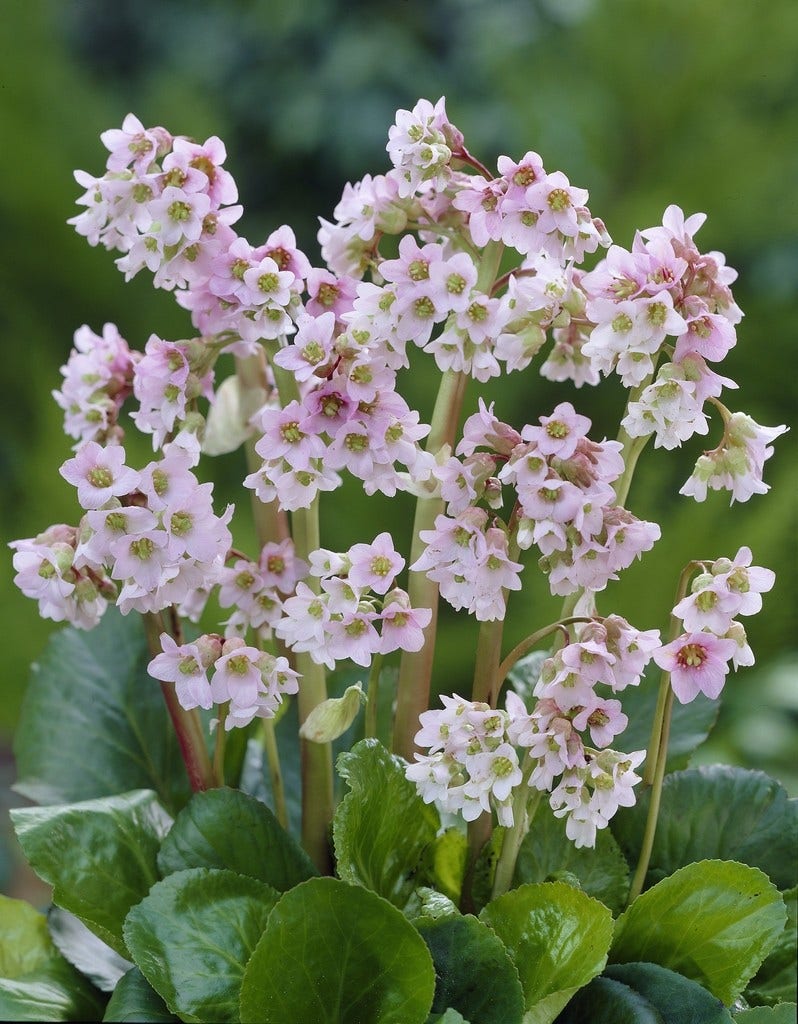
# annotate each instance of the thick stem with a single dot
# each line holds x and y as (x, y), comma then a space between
(525, 805)
(656, 793)
(187, 724)
(370, 725)
(415, 670)
(316, 758)
(269, 741)
(271, 522)
(221, 743)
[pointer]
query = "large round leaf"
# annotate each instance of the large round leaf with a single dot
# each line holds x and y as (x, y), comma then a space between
(225, 828)
(475, 974)
(714, 922)
(775, 981)
(136, 1001)
(36, 982)
(546, 851)
(99, 855)
(678, 999)
(718, 812)
(94, 723)
(193, 935)
(784, 1013)
(334, 953)
(557, 936)
(382, 828)
(605, 1001)
(80, 946)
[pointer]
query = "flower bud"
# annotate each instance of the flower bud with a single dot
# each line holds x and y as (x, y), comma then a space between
(330, 719)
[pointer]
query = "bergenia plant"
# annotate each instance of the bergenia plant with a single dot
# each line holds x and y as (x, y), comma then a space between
(528, 848)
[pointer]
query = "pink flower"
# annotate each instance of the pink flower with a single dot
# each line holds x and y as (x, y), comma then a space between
(99, 474)
(183, 666)
(375, 566)
(697, 663)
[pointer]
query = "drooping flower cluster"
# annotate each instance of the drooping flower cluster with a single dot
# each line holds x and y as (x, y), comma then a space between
(251, 682)
(356, 595)
(698, 660)
(255, 590)
(98, 376)
(148, 538)
(473, 761)
(471, 766)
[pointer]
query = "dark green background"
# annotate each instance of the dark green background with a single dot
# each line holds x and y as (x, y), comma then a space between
(643, 103)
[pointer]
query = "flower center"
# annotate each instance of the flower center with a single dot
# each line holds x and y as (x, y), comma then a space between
(692, 656)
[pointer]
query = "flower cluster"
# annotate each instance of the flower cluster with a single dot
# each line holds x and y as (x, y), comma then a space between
(698, 660)
(473, 762)
(471, 766)
(355, 596)
(250, 682)
(148, 538)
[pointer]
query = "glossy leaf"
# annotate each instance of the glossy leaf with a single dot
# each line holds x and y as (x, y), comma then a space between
(714, 922)
(558, 938)
(546, 852)
(135, 1000)
(475, 974)
(448, 859)
(429, 903)
(36, 982)
(678, 1000)
(605, 1001)
(94, 959)
(717, 812)
(784, 1013)
(225, 828)
(335, 953)
(99, 855)
(775, 981)
(193, 935)
(382, 829)
(90, 693)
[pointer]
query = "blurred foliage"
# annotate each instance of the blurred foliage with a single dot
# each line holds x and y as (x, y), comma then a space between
(644, 104)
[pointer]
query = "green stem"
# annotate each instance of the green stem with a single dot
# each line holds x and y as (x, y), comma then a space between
(370, 726)
(221, 742)
(187, 724)
(271, 522)
(269, 742)
(525, 805)
(316, 758)
(654, 743)
(656, 793)
(532, 640)
(415, 669)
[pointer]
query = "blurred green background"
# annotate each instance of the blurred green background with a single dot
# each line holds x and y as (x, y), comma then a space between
(644, 104)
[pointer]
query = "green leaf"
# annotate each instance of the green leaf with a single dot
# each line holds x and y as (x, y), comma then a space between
(90, 695)
(382, 828)
(784, 1013)
(429, 903)
(225, 828)
(36, 982)
(449, 857)
(547, 851)
(135, 1000)
(605, 1001)
(99, 855)
(775, 980)
(690, 723)
(678, 1000)
(558, 938)
(81, 947)
(450, 1017)
(475, 974)
(714, 922)
(717, 812)
(334, 953)
(193, 935)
